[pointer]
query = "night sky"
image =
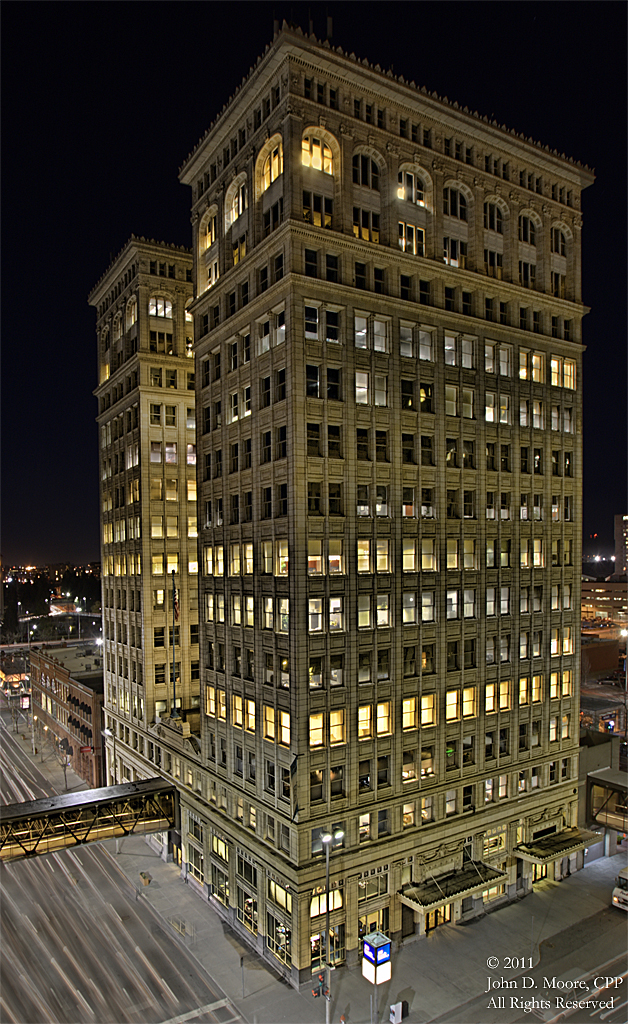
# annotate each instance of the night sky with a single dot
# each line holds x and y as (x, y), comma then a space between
(102, 104)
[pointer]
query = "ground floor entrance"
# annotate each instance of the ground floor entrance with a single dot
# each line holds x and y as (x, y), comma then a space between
(434, 918)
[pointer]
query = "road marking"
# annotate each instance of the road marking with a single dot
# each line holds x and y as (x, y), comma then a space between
(603, 1016)
(191, 1014)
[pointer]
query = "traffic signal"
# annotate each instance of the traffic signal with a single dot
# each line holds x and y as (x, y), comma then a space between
(316, 992)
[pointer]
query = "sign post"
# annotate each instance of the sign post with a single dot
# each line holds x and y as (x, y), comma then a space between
(376, 965)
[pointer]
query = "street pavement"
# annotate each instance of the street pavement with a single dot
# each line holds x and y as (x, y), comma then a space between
(568, 928)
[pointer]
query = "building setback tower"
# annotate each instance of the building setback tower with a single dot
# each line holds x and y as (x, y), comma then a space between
(388, 349)
(148, 507)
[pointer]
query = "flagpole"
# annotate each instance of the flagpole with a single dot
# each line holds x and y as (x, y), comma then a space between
(174, 713)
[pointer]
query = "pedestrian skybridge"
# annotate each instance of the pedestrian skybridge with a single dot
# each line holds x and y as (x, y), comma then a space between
(89, 816)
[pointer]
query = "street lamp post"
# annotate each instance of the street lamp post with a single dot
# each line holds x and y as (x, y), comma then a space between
(327, 841)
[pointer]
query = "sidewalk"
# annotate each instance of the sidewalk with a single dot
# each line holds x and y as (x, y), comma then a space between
(434, 975)
(456, 956)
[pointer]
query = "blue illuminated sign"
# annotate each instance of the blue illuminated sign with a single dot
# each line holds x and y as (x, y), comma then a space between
(376, 954)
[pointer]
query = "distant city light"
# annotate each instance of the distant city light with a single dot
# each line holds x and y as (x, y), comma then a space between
(597, 558)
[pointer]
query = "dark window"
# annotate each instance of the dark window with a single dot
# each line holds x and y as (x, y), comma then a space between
(407, 449)
(311, 263)
(282, 500)
(405, 287)
(427, 450)
(364, 776)
(312, 378)
(333, 384)
(280, 385)
(360, 275)
(314, 498)
(281, 449)
(314, 440)
(469, 653)
(362, 444)
(335, 500)
(381, 445)
(407, 394)
(334, 449)
(409, 662)
(383, 771)
(453, 655)
(332, 268)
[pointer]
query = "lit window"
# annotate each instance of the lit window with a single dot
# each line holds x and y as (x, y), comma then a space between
(468, 702)
(428, 713)
(336, 614)
(316, 730)
(408, 713)
(452, 705)
(159, 306)
(316, 153)
(365, 727)
(336, 727)
(273, 166)
(384, 723)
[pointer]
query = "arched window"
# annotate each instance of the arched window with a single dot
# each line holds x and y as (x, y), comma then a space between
(558, 242)
(493, 218)
(236, 200)
(131, 312)
(208, 230)
(273, 166)
(117, 327)
(160, 306)
(527, 230)
(454, 203)
(316, 153)
(411, 187)
(365, 171)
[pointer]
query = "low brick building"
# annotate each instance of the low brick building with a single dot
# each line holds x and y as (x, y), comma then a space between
(67, 696)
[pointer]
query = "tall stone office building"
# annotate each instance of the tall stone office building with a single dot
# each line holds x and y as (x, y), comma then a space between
(388, 352)
(148, 509)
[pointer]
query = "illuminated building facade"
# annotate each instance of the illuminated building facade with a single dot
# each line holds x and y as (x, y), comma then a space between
(388, 347)
(388, 354)
(67, 695)
(147, 437)
(621, 544)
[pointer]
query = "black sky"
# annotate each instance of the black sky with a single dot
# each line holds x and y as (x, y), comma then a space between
(103, 101)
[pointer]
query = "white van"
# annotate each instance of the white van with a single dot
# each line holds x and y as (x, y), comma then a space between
(620, 892)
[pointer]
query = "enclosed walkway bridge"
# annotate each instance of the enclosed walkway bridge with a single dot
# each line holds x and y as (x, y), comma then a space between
(73, 819)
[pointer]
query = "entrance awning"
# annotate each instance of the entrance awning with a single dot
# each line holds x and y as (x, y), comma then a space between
(560, 844)
(474, 877)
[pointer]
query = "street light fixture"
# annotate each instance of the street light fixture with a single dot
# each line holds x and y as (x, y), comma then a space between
(327, 840)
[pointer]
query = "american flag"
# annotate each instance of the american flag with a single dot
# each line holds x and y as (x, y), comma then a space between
(176, 607)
